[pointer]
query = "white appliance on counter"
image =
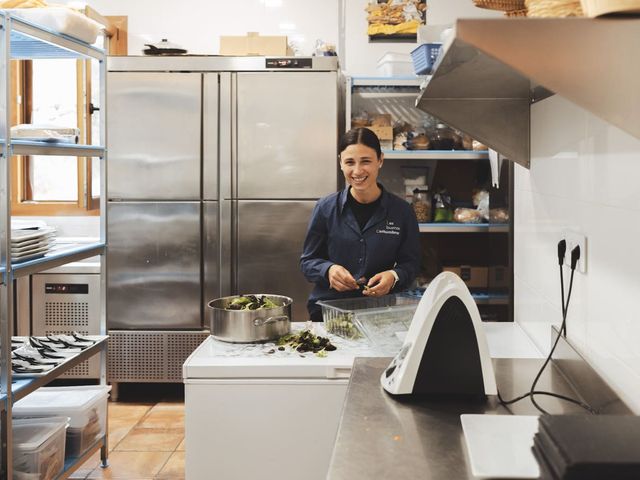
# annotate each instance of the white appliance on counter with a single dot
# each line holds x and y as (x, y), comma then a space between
(254, 414)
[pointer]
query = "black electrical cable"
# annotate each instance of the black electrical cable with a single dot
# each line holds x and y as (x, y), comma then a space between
(575, 255)
(562, 249)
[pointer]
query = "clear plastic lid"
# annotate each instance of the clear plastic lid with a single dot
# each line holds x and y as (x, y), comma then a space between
(73, 402)
(30, 433)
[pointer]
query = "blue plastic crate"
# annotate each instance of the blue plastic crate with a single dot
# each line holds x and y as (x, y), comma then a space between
(424, 57)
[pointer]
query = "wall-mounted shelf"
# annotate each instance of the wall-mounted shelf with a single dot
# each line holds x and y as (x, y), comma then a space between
(462, 228)
(435, 155)
(487, 76)
(481, 298)
(24, 147)
(399, 81)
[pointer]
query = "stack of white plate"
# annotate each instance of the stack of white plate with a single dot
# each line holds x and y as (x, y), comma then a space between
(30, 243)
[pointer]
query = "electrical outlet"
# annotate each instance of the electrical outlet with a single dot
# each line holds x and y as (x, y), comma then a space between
(574, 239)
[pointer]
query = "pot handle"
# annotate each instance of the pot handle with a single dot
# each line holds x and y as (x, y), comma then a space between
(258, 322)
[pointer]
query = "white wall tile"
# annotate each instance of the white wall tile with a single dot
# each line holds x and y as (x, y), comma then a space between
(583, 177)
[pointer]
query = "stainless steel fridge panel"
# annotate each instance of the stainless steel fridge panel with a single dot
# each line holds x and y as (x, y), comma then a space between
(287, 134)
(269, 244)
(154, 135)
(211, 253)
(153, 266)
(210, 105)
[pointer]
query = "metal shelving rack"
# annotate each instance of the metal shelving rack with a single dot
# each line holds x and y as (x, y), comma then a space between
(411, 88)
(22, 40)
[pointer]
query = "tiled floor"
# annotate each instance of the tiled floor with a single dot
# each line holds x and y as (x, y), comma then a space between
(146, 441)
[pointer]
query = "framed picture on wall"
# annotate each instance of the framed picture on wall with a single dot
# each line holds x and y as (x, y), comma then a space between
(395, 20)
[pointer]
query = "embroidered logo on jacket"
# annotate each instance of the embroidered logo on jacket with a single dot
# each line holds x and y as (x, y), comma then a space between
(389, 229)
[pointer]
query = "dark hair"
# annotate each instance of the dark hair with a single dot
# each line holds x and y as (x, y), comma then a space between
(362, 136)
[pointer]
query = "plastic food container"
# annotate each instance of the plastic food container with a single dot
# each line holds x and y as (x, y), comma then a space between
(424, 57)
(61, 20)
(85, 406)
(38, 447)
(395, 64)
(382, 321)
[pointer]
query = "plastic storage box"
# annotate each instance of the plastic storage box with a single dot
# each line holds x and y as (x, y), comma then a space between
(38, 448)
(62, 20)
(381, 320)
(85, 406)
(424, 57)
(395, 65)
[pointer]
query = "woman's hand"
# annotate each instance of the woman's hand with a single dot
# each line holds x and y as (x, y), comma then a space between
(380, 284)
(340, 279)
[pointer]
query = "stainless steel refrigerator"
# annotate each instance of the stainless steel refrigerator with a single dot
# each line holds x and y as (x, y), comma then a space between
(215, 166)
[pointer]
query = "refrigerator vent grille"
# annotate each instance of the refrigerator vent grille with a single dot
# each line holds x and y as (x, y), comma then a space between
(66, 314)
(180, 346)
(138, 356)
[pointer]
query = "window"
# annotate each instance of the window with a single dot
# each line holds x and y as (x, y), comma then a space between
(53, 102)
(60, 93)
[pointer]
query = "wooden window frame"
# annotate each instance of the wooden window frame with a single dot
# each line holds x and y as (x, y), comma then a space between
(21, 81)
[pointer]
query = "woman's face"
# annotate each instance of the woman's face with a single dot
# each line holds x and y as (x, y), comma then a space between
(360, 166)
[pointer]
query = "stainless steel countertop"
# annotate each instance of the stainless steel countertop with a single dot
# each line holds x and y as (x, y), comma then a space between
(381, 437)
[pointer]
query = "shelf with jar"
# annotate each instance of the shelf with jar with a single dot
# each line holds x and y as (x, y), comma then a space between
(461, 199)
(386, 105)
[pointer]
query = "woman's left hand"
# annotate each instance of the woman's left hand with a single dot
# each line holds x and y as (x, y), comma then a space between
(380, 284)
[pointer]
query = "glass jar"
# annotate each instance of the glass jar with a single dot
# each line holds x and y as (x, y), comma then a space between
(442, 137)
(421, 203)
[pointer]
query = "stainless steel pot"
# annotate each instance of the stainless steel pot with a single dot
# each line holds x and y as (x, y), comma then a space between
(246, 326)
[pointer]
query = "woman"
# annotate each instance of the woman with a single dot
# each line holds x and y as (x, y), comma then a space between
(362, 237)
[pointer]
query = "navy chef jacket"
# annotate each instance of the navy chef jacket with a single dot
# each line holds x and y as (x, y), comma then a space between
(389, 240)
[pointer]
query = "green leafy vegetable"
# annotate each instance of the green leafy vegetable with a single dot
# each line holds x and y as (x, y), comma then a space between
(251, 302)
(342, 325)
(306, 341)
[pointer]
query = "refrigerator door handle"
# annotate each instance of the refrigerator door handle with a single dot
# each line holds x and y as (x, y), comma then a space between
(234, 135)
(227, 130)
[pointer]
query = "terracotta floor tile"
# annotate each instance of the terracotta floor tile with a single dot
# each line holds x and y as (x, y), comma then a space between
(128, 411)
(163, 418)
(132, 465)
(79, 474)
(151, 439)
(174, 468)
(176, 405)
(117, 431)
(181, 446)
(87, 467)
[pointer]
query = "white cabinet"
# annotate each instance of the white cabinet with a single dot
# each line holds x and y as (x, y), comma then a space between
(21, 40)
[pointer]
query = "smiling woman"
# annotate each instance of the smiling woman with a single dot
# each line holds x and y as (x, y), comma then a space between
(362, 240)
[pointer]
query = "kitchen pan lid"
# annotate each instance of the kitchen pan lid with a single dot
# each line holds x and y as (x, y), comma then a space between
(164, 47)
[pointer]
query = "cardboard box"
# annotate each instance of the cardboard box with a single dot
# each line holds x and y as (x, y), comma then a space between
(473, 277)
(254, 44)
(383, 133)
